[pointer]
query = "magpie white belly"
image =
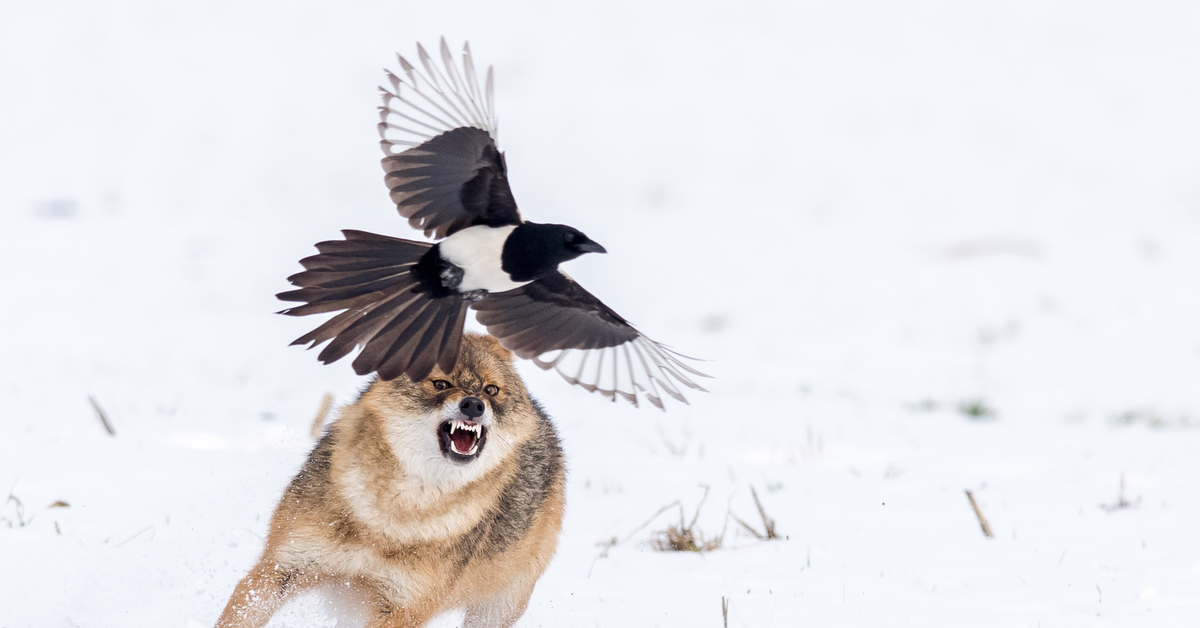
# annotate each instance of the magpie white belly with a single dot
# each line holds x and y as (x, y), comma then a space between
(476, 250)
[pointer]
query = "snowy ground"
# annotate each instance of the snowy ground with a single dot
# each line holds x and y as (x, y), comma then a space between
(869, 217)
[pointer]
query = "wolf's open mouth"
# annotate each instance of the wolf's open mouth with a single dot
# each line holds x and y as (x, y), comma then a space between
(461, 440)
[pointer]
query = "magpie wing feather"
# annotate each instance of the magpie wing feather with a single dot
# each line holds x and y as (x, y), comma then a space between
(401, 329)
(438, 132)
(558, 325)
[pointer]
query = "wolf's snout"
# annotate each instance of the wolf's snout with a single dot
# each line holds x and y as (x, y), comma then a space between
(472, 407)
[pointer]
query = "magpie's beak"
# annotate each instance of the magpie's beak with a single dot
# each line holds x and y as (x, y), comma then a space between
(589, 247)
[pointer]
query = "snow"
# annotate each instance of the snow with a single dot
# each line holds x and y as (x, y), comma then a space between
(867, 216)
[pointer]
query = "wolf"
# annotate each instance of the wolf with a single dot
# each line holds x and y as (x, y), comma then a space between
(423, 497)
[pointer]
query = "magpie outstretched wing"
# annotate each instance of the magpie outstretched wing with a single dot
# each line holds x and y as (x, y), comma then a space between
(438, 130)
(446, 174)
(557, 324)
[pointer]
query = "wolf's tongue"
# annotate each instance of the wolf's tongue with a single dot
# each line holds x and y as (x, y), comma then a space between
(461, 441)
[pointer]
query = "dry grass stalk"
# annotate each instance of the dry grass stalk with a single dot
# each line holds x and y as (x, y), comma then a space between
(983, 522)
(19, 508)
(1121, 503)
(685, 537)
(142, 531)
(678, 539)
(749, 528)
(322, 413)
(643, 526)
(103, 417)
(768, 523)
(607, 545)
(614, 541)
(677, 451)
(769, 533)
(20, 511)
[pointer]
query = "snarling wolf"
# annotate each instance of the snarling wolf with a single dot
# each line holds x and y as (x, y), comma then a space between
(423, 497)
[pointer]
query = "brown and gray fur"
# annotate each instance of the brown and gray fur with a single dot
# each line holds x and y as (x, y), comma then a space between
(379, 507)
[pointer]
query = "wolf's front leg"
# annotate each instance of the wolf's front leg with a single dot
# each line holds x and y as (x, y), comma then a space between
(502, 609)
(260, 594)
(387, 616)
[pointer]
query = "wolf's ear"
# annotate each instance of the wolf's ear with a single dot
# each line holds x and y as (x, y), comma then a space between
(496, 348)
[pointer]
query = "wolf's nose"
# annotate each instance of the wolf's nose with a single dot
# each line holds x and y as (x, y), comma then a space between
(472, 407)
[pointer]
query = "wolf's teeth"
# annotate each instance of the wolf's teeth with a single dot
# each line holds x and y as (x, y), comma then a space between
(459, 425)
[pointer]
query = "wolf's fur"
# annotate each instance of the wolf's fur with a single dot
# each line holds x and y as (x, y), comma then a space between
(379, 507)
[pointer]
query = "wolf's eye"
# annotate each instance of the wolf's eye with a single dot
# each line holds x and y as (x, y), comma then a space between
(440, 384)
(491, 389)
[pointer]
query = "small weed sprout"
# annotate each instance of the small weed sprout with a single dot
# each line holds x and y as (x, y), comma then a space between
(977, 410)
(21, 521)
(924, 405)
(1153, 419)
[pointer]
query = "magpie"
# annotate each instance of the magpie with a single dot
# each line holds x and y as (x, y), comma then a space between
(404, 302)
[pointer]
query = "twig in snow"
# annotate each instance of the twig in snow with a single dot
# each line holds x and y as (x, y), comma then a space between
(140, 532)
(103, 417)
(649, 521)
(613, 542)
(768, 523)
(322, 412)
(607, 545)
(678, 451)
(725, 611)
(983, 523)
(758, 535)
(1122, 503)
(698, 506)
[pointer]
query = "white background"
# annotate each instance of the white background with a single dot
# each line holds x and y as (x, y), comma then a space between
(865, 214)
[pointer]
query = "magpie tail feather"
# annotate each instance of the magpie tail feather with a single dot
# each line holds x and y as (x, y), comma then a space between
(402, 328)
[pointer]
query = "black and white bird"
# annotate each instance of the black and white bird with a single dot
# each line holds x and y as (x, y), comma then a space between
(405, 302)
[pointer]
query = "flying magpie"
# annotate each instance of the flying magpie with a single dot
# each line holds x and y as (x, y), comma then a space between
(405, 302)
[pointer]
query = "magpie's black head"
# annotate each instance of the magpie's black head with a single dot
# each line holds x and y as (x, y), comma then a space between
(534, 250)
(574, 243)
